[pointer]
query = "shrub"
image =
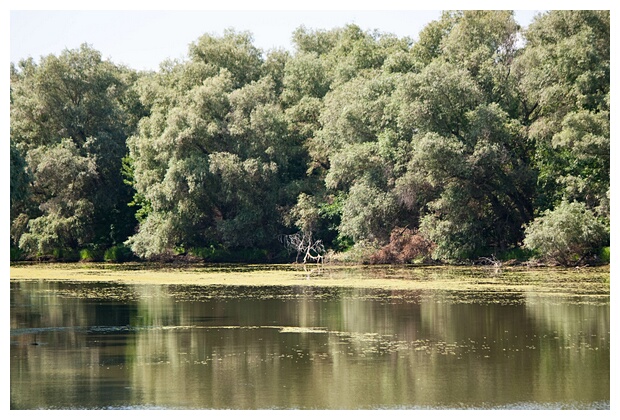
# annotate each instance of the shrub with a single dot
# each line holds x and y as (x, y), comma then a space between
(202, 252)
(519, 254)
(360, 252)
(16, 253)
(211, 253)
(118, 253)
(405, 246)
(89, 255)
(65, 254)
(605, 255)
(250, 255)
(566, 235)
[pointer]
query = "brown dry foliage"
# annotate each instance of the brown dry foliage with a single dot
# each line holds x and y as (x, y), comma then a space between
(405, 245)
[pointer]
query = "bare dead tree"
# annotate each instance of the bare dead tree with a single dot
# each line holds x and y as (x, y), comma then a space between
(490, 261)
(493, 262)
(303, 244)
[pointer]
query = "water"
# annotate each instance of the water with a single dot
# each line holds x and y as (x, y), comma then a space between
(113, 345)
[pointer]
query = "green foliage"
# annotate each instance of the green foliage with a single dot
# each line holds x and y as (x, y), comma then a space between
(368, 213)
(20, 181)
(233, 51)
(69, 120)
(481, 183)
(305, 76)
(453, 226)
(90, 254)
(63, 254)
(118, 254)
(519, 254)
(16, 254)
(143, 207)
(430, 39)
(567, 234)
(64, 178)
(306, 213)
(438, 98)
(211, 254)
(564, 83)
(171, 166)
(255, 255)
(461, 137)
(605, 255)
(74, 95)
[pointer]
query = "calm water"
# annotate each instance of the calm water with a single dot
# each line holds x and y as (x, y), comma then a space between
(78, 345)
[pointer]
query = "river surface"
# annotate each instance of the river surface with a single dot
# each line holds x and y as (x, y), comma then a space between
(122, 345)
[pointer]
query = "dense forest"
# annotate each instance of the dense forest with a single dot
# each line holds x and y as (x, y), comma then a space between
(478, 140)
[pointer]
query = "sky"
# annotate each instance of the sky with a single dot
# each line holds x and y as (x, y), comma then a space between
(143, 39)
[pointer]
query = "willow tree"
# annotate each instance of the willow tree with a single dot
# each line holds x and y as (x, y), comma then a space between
(358, 137)
(70, 120)
(346, 122)
(564, 82)
(215, 162)
(468, 175)
(170, 158)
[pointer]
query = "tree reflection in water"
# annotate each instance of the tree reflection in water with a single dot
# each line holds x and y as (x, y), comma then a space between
(191, 346)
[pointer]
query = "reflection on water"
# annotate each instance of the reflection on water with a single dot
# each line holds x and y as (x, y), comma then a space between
(111, 345)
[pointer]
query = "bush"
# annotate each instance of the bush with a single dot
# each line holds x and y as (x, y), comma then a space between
(65, 254)
(405, 246)
(202, 252)
(211, 254)
(519, 254)
(90, 255)
(566, 235)
(118, 253)
(16, 253)
(360, 252)
(250, 255)
(605, 255)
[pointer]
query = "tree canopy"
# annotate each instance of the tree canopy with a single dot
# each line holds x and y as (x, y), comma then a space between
(470, 140)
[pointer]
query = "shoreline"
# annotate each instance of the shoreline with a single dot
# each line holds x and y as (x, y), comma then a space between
(573, 281)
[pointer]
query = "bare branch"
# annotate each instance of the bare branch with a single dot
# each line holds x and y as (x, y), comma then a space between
(303, 244)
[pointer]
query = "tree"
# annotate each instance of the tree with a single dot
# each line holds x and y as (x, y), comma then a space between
(233, 51)
(215, 161)
(564, 86)
(360, 146)
(171, 164)
(305, 76)
(368, 213)
(303, 244)
(62, 181)
(73, 108)
(75, 95)
(468, 176)
(457, 140)
(20, 181)
(430, 40)
(246, 203)
(584, 142)
(438, 99)
(484, 42)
